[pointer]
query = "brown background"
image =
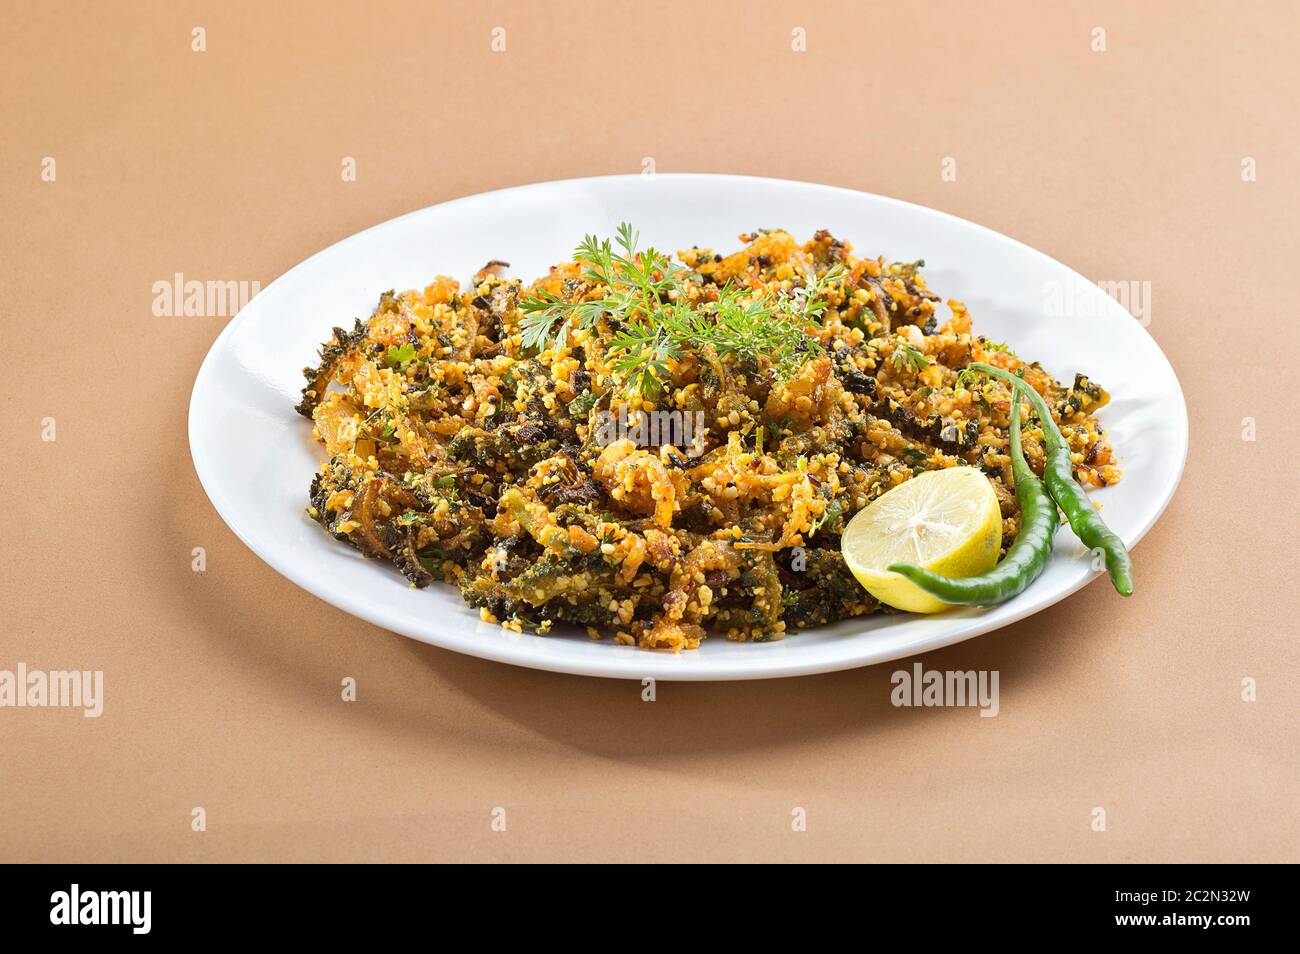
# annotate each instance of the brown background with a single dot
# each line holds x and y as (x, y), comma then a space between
(223, 687)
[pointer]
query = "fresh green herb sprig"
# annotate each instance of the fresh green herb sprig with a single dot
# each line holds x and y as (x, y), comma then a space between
(399, 357)
(643, 350)
(906, 357)
(644, 297)
(809, 300)
(543, 313)
(736, 327)
(635, 283)
(746, 330)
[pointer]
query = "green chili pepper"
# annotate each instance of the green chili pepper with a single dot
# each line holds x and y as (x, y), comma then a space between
(1026, 558)
(1058, 474)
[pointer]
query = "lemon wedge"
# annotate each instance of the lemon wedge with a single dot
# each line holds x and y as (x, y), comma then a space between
(947, 521)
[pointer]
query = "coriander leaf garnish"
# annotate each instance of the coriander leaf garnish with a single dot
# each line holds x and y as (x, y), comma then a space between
(635, 283)
(643, 294)
(399, 357)
(748, 330)
(807, 301)
(540, 315)
(905, 356)
(643, 361)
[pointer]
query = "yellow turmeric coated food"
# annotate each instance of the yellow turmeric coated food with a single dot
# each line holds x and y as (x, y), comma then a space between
(655, 448)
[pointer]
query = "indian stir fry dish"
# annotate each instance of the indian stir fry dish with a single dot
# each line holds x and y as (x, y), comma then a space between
(655, 448)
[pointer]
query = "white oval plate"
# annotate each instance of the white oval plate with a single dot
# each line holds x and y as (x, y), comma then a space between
(255, 457)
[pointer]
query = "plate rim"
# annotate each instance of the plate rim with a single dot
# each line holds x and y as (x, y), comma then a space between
(623, 666)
